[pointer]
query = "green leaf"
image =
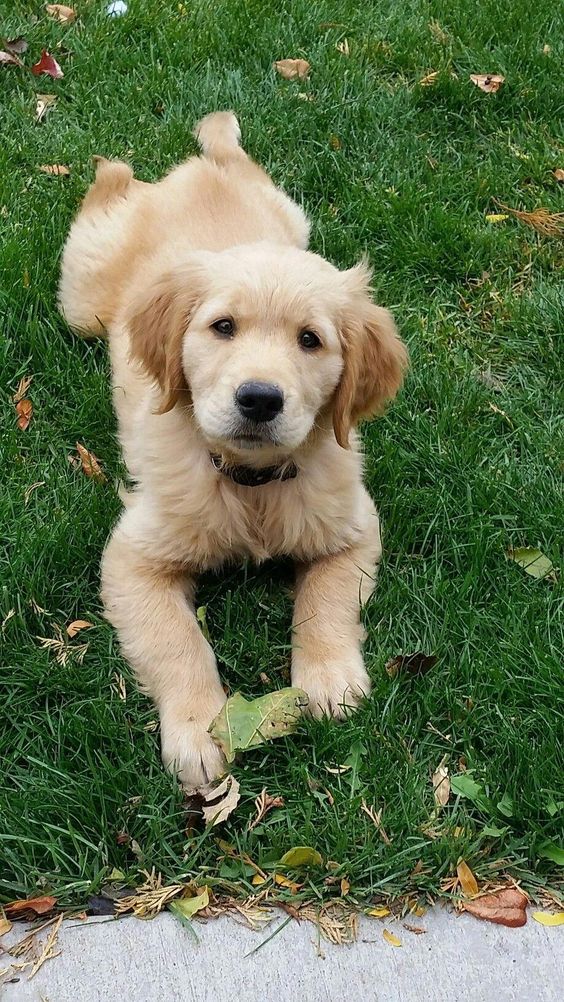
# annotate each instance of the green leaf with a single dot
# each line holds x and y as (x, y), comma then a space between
(553, 808)
(243, 723)
(505, 806)
(494, 832)
(201, 617)
(187, 907)
(464, 786)
(301, 855)
(353, 762)
(552, 851)
(532, 560)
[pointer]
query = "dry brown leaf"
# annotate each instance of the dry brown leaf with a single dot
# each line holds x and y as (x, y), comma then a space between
(10, 59)
(376, 818)
(263, 804)
(467, 880)
(345, 887)
(30, 908)
(60, 12)
(558, 174)
(488, 82)
(23, 387)
(417, 929)
(90, 463)
(506, 907)
(417, 663)
(77, 625)
(24, 410)
(5, 924)
(58, 170)
(44, 102)
(292, 69)
(47, 949)
(549, 224)
(441, 783)
(221, 800)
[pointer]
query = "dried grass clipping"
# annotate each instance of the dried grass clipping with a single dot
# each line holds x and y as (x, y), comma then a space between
(548, 224)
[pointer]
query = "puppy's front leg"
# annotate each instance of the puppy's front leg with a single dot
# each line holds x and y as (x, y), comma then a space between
(327, 634)
(152, 610)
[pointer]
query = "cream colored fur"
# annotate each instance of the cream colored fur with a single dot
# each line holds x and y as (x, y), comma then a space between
(154, 266)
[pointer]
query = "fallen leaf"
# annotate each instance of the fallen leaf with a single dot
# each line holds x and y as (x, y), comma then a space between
(463, 785)
(44, 103)
(23, 387)
(467, 879)
(202, 619)
(17, 45)
(60, 12)
(9, 59)
(547, 918)
(334, 142)
(30, 908)
(417, 929)
(506, 907)
(343, 47)
(378, 912)
(417, 663)
(337, 770)
(532, 560)
(5, 924)
(47, 65)
(90, 463)
(488, 82)
(558, 174)
(429, 80)
(496, 217)
(390, 938)
(441, 784)
(548, 224)
(243, 724)
(24, 410)
(263, 804)
(301, 855)
(292, 69)
(77, 625)
(552, 851)
(220, 800)
(56, 169)
(187, 907)
(345, 887)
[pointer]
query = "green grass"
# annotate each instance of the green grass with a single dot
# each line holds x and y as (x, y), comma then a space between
(457, 482)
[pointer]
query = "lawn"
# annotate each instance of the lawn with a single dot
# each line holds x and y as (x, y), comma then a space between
(467, 463)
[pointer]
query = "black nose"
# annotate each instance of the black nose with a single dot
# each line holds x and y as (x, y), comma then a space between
(259, 401)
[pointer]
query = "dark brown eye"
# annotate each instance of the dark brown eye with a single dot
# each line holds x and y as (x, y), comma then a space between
(224, 327)
(309, 340)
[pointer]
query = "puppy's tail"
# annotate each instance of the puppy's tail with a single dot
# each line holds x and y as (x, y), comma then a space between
(219, 136)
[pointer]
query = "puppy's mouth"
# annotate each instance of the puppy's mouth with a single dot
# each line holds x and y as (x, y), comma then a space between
(253, 436)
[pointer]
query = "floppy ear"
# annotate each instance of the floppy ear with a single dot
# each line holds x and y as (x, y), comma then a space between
(375, 358)
(158, 320)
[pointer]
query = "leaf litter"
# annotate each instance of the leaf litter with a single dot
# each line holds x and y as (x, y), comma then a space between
(533, 561)
(488, 82)
(263, 804)
(220, 800)
(441, 783)
(47, 64)
(60, 12)
(292, 69)
(506, 907)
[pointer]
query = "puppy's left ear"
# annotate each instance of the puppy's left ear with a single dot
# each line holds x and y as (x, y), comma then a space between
(375, 359)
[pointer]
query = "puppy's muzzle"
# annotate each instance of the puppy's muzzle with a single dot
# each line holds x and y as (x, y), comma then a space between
(259, 402)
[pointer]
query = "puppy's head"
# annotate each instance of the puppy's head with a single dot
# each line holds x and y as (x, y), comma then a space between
(265, 341)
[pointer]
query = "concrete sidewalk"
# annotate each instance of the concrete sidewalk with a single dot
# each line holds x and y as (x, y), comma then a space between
(459, 959)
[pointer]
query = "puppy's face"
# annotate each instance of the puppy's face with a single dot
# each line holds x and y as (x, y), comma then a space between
(266, 340)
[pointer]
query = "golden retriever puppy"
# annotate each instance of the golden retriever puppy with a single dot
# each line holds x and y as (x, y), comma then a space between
(241, 365)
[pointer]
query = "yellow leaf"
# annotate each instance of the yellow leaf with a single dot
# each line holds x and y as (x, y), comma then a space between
(467, 879)
(292, 69)
(390, 938)
(5, 924)
(378, 912)
(549, 918)
(496, 217)
(420, 911)
(429, 80)
(345, 887)
(284, 882)
(257, 879)
(90, 463)
(301, 855)
(186, 907)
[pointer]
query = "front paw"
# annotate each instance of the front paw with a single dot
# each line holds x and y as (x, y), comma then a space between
(335, 687)
(190, 752)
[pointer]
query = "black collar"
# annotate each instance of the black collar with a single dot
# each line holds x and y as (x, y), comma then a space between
(246, 476)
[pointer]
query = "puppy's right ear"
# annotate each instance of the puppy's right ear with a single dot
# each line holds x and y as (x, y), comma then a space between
(157, 323)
